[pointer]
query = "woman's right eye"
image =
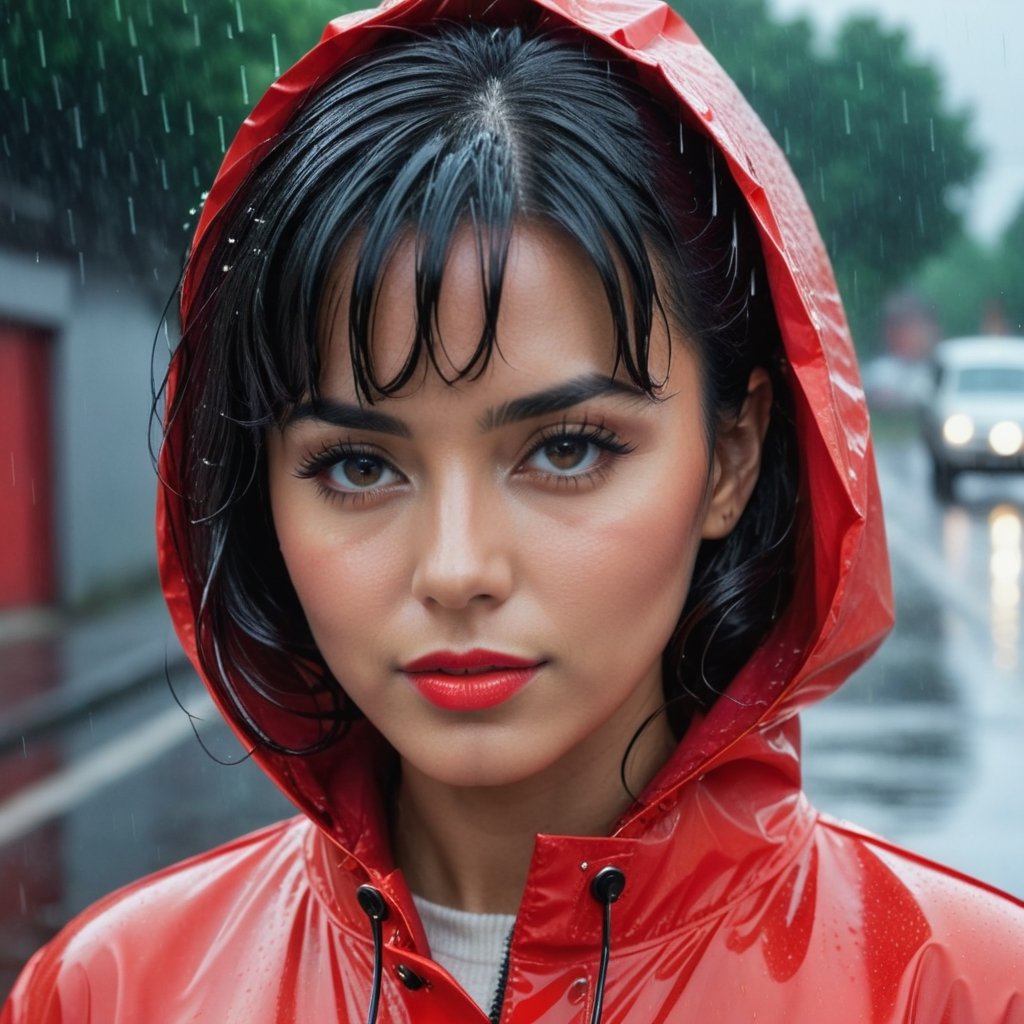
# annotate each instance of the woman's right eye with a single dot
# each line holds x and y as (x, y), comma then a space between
(355, 473)
(341, 471)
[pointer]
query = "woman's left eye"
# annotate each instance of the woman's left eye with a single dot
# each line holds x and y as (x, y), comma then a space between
(565, 456)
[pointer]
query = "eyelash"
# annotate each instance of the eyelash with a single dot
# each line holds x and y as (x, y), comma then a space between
(314, 464)
(597, 434)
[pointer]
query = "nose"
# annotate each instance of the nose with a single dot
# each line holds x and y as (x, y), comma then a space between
(463, 552)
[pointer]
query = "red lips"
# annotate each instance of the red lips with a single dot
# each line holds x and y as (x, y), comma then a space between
(469, 680)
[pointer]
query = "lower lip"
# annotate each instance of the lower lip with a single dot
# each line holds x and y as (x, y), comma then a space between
(475, 692)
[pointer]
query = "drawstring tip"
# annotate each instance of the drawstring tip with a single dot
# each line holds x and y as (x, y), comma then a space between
(606, 887)
(376, 909)
(372, 902)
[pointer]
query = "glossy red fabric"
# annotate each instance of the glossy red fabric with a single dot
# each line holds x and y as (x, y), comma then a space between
(742, 903)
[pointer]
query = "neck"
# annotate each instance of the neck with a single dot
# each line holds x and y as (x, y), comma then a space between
(470, 847)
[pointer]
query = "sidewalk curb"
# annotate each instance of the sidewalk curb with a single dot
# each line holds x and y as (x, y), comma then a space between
(89, 692)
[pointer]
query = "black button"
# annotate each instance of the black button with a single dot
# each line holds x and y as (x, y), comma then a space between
(409, 978)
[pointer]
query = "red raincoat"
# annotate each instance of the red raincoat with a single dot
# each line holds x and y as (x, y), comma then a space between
(742, 903)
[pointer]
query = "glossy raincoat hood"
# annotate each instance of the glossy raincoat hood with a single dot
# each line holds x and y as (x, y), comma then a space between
(842, 604)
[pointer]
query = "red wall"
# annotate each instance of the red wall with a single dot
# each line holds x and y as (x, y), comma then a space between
(26, 503)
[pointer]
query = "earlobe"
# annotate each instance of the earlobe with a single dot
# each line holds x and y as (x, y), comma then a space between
(737, 458)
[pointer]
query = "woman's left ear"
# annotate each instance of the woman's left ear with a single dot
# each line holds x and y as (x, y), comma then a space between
(737, 457)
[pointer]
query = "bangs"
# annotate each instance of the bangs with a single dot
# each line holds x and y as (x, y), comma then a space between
(409, 145)
(474, 192)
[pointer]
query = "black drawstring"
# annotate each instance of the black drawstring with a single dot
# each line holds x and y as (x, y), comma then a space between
(376, 910)
(606, 888)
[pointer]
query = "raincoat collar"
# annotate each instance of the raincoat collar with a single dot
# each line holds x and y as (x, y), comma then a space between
(718, 840)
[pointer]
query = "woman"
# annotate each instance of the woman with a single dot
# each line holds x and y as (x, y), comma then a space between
(516, 494)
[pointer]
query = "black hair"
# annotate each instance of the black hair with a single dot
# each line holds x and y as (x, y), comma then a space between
(425, 133)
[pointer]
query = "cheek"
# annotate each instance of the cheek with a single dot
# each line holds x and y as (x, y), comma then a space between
(632, 562)
(345, 579)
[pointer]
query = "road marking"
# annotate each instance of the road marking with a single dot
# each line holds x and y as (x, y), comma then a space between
(57, 793)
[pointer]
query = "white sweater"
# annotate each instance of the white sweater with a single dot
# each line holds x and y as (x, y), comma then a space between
(470, 947)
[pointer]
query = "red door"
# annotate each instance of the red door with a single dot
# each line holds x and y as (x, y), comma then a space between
(26, 506)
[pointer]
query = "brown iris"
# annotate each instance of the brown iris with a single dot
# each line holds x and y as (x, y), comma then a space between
(566, 453)
(362, 471)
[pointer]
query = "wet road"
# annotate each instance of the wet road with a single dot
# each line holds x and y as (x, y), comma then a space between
(925, 744)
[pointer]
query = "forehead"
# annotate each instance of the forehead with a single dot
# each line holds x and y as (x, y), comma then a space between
(553, 314)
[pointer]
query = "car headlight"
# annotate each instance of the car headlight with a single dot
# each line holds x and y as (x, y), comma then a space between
(958, 429)
(1006, 438)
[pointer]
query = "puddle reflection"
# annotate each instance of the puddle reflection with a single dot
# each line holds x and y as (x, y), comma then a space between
(956, 540)
(1005, 573)
(889, 748)
(923, 744)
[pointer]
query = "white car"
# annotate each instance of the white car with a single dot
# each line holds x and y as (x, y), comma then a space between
(896, 385)
(975, 418)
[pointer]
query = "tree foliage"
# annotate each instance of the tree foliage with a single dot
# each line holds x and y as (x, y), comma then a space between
(867, 130)
(976, 288)
(114, 113)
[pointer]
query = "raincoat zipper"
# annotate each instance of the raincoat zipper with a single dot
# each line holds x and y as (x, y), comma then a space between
(498, 1003)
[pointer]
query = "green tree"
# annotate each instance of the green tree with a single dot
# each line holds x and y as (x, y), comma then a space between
(975, 287)
(957, 284)
(867, 131)
(114, 114)
(1009, 272)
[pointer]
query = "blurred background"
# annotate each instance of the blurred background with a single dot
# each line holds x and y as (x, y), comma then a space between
(902, 122)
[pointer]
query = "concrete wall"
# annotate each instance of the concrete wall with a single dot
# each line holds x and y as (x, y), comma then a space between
(104, 484)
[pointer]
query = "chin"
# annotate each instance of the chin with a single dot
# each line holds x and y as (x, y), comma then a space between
(478, 762)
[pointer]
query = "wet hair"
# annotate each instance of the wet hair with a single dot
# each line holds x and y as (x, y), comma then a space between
(426, 133)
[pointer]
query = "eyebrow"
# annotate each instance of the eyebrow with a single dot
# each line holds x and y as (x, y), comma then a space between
(558, 397)
(348, 414)
(540, 403)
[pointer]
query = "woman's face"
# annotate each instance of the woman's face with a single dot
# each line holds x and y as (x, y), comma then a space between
(492, 568)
